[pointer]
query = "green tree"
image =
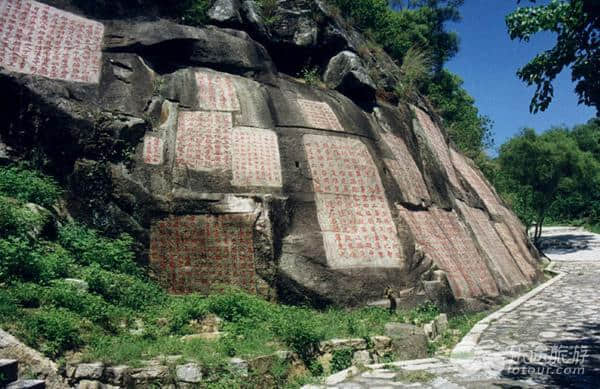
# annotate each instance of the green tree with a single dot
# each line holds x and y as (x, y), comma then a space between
(537, 168)
(577, 25)
(469, 130)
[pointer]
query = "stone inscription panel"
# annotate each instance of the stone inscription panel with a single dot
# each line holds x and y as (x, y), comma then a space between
(353, 213)
(442, 238)
(153, 150)
(404, 169)
(255, 158)
(481, 187)
(438, 145)
(204, 140)
(465, 251)
(341, 166)
(319, 115)
(216, 92)
(44, 41)
(493, 246)
(516, 251)
(191, 253)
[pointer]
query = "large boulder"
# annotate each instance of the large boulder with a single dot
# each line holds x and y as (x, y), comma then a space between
(227, 171)
(346, 73)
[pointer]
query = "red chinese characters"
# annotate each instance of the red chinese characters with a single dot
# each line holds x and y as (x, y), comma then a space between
(404, 169)
(44, 41)
(479, 185)
(319, 115)
(438, 145)
(358, 229)
(191, 253)
(216, 92)
(445, 240)
(255, 158)
(153, 150)
(204, 140)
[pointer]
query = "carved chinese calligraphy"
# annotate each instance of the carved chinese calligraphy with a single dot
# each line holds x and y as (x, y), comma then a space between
(191, 253)
(479, 185)
(153, 150)
(319, 115)
(204, 140)
(508, 273)
(216, 92)
(44, 41)
(517, 250)
(404, 169)
(255, 158)
(353, 212)
(446, 241)
(438, 145)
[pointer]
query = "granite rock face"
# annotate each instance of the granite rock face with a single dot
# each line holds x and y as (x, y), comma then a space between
(201, 144)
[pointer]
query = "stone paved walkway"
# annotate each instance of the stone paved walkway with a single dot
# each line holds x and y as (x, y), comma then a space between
(552, 340)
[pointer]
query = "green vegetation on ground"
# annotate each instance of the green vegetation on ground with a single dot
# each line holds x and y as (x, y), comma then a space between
(124, 317)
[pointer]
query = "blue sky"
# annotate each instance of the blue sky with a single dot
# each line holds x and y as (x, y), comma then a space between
(488, 61)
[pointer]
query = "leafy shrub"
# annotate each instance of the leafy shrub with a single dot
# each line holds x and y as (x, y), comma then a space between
(234, 305)
(193, 12)
(27, 295)
(123, 290)
(16, 219)
(8, 306)
(53, 331)
(341, 359)
(88, 247)
(310, 75)
(185, 308)
(28, 186)
(90, 306)
(40, 263)
(297, 329)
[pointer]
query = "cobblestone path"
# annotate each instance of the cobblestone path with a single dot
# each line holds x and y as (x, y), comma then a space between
(552, 340)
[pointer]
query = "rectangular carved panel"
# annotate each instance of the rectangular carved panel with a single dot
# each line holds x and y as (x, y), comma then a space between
(518, 250)
(204, 140)
(319, 115)
(445, 240)
(255, 158)
(353, 212)
(404, 169)
(479, 185)
(501, 260)
(153, 150)
(45, 41)
(191, 253)
(216, 92)
(438, 145)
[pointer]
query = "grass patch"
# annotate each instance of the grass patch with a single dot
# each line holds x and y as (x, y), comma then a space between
(458, 327)
(416, 376)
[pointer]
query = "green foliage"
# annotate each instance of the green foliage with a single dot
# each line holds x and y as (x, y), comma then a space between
(40, 263)
(300, 333)
(415, 70)
(123, 290)
(310, 75)
(419, 24)
(470, 131)
(15, 219)
(268, 10)
(53, 331)
(88, 247)
(28, 186)
(192, 12)
(341, 359)
(550, 176)
(576, 24)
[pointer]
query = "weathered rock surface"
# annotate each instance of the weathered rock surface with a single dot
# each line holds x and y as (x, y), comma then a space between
(228, 171)
(346, 73)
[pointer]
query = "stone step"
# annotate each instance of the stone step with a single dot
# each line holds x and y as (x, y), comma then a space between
(9, 371)
(27, 384)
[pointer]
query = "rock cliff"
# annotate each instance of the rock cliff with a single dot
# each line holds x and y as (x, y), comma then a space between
(228, 170)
